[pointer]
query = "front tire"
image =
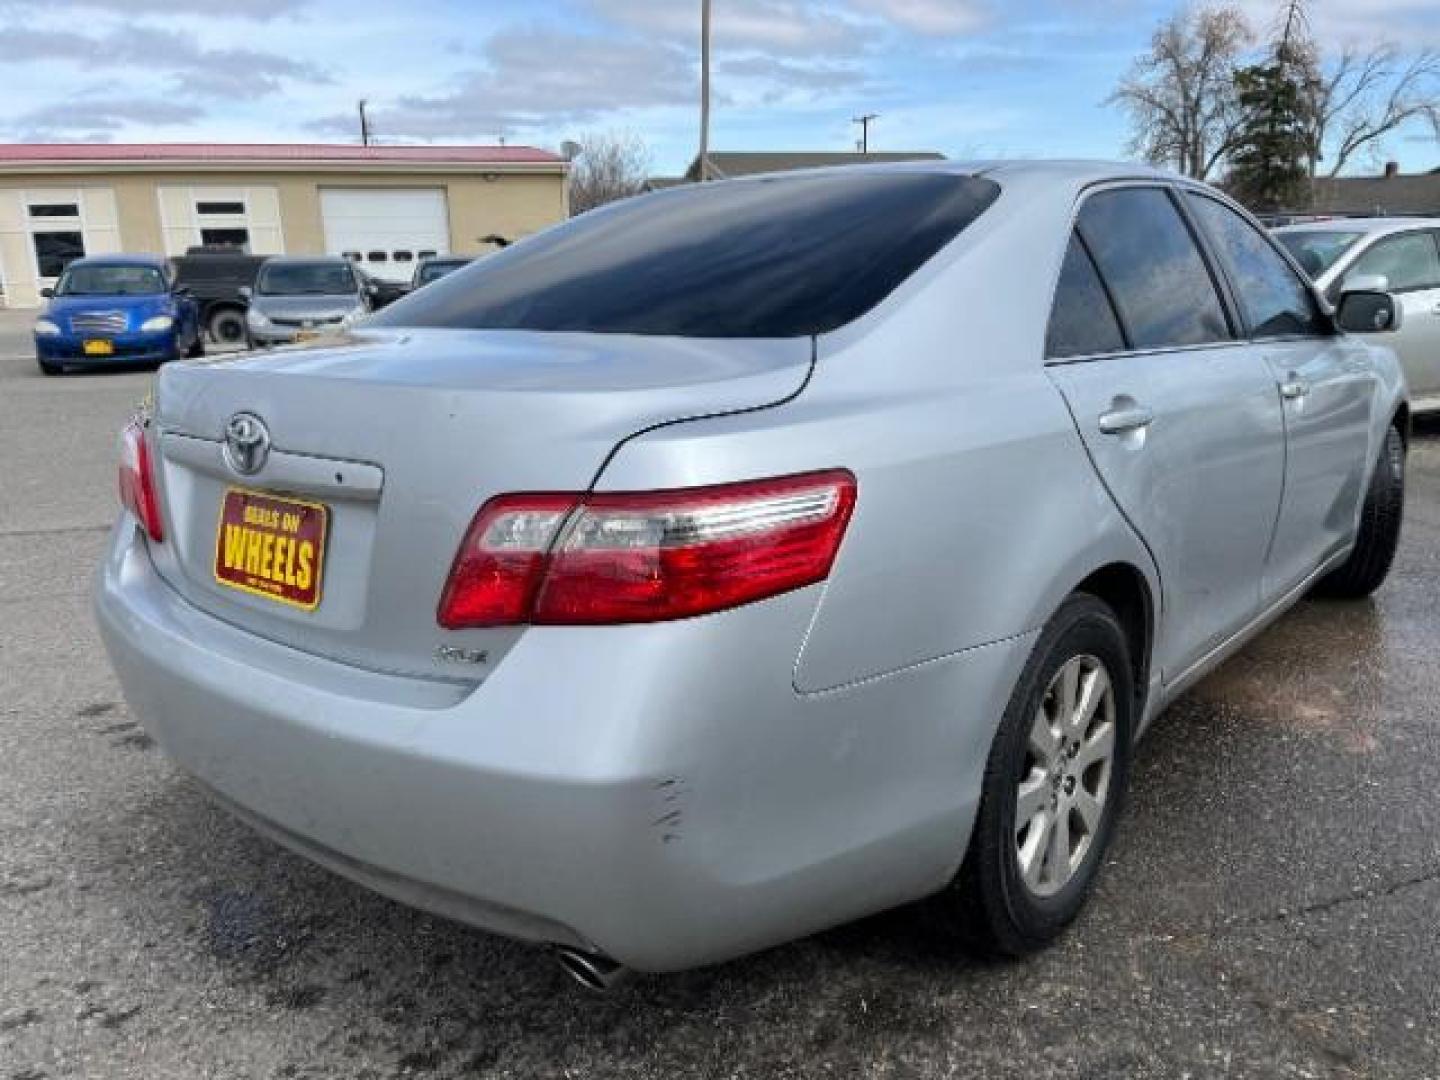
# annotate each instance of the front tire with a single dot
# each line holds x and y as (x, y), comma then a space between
(47, 368)
(1054, 785)
(1379, 535)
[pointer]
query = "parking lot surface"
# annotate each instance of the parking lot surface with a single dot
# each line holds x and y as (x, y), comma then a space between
(1272, 907)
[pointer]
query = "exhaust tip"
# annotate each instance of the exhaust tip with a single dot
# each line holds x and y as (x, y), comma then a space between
(591, 970)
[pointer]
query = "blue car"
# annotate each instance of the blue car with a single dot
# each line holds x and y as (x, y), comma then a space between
(117, 309)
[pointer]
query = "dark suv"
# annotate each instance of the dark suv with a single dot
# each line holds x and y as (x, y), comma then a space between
(215, 277)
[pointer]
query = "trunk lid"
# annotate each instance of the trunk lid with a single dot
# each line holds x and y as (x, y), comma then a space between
(402, 435)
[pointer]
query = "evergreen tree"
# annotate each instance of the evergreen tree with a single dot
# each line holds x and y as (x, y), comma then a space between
(1270, 161)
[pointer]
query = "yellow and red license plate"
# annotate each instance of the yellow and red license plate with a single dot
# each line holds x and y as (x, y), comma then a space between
(98, 347)
(272, 546)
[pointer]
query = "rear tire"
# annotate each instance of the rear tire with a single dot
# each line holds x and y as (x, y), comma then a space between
(1366, 568)
(226, 326)
(1024, 881)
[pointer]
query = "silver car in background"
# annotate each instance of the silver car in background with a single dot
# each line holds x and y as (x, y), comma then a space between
(1398, 255)
(736, 561)
(296, 299)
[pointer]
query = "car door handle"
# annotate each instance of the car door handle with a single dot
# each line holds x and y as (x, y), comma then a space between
(1294, 388)
(1125, 418)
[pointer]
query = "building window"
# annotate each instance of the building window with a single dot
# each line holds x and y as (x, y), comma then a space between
(375, 256)
(38, 210)
(353, 256)
(403, 256)
(427, 254)
(56, 250)
(232, 238)
(231, 209)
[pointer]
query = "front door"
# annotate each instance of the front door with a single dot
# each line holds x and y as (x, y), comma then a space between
(1410, 264)
(1181, 419)
(1324, 384)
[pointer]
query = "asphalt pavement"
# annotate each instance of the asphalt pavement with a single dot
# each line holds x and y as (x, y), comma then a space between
(1272, 905)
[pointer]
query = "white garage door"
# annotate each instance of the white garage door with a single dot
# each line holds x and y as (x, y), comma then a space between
(386, 230)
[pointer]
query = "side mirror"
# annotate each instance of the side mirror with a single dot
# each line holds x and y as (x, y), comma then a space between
(1367, 312)
(246, 292)
(47, 292)
(371, 289)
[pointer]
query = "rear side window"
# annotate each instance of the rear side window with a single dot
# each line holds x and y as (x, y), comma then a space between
(1149, 260)
(1409, 261)
(1276, 302)
(1083, 322)
(780, 257)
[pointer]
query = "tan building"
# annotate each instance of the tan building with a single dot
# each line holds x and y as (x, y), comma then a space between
(383, 206)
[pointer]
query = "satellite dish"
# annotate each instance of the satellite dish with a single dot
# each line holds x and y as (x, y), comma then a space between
(570, 149)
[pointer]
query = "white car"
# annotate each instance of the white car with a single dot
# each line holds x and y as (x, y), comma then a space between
(1396, 255)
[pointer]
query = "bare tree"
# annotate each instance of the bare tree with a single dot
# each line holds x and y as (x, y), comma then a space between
(1181, 94)
(1362, 96)
(609, 165)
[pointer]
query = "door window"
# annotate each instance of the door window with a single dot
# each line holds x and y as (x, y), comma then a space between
(1082, 322)
(1146, 255)
(1408, 261)
(1276, 302)
(56, 250)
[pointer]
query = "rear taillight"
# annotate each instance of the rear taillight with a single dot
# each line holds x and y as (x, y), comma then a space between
(645, 557)
(137, 480)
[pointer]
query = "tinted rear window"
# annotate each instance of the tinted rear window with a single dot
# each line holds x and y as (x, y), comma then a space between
(782, 257)
(1153, 268)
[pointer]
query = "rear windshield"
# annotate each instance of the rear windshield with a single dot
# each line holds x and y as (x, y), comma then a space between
(1316, 252)
(305, 279)
(776, 257)
(111, 281)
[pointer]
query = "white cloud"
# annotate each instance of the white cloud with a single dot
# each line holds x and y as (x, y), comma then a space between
(933, 18)
(537, 78)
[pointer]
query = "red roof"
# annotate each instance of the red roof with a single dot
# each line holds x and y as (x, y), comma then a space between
(263, 152)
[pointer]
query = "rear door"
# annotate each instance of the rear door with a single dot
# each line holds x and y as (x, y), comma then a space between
(1181, 419)
(1326, 387)
(1410, 263)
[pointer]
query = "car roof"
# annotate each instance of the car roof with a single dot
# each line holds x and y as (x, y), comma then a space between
(1374, 226)
(307, 260)
(157, 262)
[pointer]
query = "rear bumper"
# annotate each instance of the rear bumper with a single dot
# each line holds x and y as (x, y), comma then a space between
(625, 791)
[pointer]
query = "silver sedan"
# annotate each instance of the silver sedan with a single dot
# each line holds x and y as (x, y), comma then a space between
(743, 559)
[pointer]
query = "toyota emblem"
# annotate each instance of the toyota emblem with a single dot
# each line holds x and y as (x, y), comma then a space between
(247, 443)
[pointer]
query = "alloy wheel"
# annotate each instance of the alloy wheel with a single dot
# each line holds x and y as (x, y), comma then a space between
(1065, 778)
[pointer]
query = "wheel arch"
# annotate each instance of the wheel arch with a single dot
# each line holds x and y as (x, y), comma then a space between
(1125, 589)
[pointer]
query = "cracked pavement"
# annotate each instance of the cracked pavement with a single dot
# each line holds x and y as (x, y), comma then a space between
(1270, 908)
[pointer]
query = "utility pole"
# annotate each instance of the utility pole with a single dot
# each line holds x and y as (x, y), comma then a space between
(864, 122)
(364, 125)
(704, 158)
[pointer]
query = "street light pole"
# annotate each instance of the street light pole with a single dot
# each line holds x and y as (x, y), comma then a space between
(704, 158)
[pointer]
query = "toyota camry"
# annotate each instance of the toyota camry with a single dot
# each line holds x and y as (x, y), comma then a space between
(739, 560)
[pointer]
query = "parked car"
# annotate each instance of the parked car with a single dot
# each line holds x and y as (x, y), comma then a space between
(434, 269)
(1398, 255)
(298, 299)
(382, 293)
(215, 276)
(109, 309)
(745, 558)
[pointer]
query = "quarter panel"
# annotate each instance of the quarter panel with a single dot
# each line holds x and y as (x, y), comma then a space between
(977, 511)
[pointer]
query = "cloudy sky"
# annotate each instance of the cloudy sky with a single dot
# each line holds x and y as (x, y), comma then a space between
(967, 77)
